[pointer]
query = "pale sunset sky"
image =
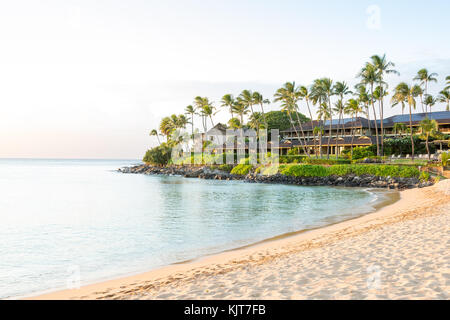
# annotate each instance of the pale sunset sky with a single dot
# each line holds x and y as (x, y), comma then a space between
(90, 79)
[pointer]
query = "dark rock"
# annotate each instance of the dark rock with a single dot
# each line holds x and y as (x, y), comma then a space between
(205, 172)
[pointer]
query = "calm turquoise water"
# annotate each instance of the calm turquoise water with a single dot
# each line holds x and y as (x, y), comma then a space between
(61, 220)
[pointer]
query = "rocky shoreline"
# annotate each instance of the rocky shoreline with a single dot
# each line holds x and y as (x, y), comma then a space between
(205, 172)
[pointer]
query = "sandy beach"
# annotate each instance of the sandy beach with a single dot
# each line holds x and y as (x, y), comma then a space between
(398, 252)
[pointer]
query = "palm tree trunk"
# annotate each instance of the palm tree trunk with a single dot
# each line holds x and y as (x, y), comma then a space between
(411, 132)
(375, 117)
(264, 115)
(381, 120)
(192, 125)
(251, 109)
(312, 126)
(353, 136)
(303, 133)
(320, 143)
(421, 102)
(337, 134)
(296, 132)
(157, 137)
(428, 149)
(329, 128)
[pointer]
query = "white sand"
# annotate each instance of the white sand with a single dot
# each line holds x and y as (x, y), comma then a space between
(399, 252)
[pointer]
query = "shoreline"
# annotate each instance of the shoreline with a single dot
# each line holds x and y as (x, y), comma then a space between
(413, 203)
(346, 180)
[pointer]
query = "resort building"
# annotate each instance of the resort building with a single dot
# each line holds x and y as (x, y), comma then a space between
(359, 132)
(362, 129)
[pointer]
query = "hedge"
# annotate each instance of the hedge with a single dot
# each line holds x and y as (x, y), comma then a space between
(242, 169)
(326, 161)
(292, 158)
(342, 170)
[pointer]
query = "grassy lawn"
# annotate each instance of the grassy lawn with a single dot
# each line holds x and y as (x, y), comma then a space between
(417, 162)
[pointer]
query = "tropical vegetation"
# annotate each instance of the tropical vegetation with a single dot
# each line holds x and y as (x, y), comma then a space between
(324, 99)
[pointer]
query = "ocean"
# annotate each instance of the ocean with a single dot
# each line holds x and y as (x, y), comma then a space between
(65, 223)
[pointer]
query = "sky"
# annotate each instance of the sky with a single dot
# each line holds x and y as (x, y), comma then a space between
(90, 79)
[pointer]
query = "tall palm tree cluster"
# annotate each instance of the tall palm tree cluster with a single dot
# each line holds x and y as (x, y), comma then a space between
(240, 106)
(405, 94)
(332, 101)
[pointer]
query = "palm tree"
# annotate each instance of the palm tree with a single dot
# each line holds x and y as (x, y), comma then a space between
(305, 94)
(352, 108)
(428, 128)
(318, 96)
(240, 109)
(259, 99)
(341, 89)
(289, 95)
(420, 93)
(207, 110)
(319, 131)
(378, 94)
(399, 128)
(181, 121)
(406, 94)
(339, 110)
(166, 127)
(246, 98)
(324, 88)
(199, 102)
(190, 110)
(234, 123)
(255, 120)
(323, 114)
(363, 98)
(154, 132)
(447, 83)
(383, 67)
(444, 96)
(228, 102)
(425, 77)
(369, 76)
(429, 102)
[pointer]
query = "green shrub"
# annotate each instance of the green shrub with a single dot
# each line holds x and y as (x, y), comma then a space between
(293, 152)
(342, 170)
(402, 145)
(159, 155)
(362, 152)
(386, 170)
(445, 158)
(242, 169)
(226, 167)
(292, 158)
(305, 171)
(325, 161)
(269, 170)
(424, 176)
(244, 161)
